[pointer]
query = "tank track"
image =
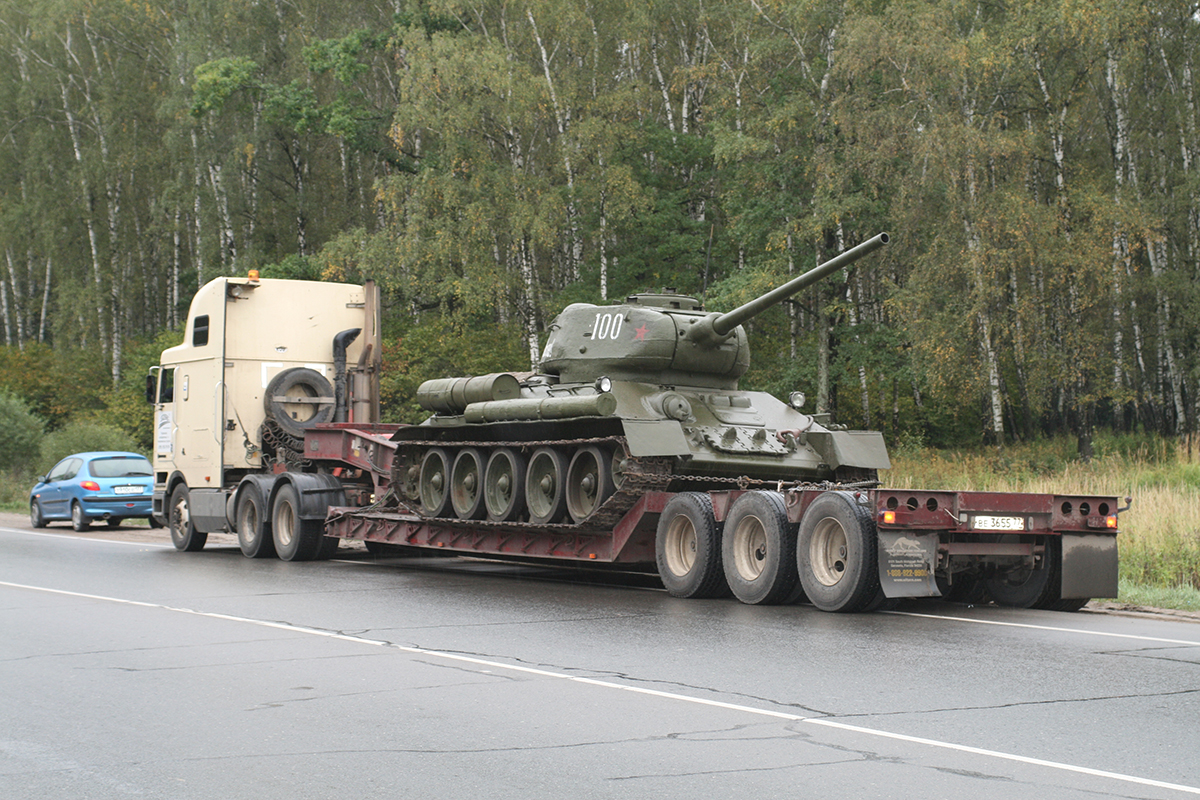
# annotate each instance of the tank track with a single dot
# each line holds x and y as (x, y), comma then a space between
(638, 476)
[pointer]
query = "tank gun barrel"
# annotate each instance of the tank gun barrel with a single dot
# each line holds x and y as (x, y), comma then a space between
(717, 326)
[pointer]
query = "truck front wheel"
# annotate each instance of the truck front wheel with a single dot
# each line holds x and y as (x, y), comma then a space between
(837, 554)
(179, 517)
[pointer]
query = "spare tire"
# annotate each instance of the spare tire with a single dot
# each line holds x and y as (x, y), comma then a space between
(299, 398)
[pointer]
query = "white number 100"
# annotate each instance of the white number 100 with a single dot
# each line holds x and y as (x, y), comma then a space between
(608, 326)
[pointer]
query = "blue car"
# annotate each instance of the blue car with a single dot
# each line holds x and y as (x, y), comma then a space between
(109, 485)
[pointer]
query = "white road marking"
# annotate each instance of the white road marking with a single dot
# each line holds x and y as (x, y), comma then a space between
(1155, 639)
(762, 712)
(87, 538)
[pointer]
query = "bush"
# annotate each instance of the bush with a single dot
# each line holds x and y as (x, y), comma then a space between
(21, 431)
(79, 437)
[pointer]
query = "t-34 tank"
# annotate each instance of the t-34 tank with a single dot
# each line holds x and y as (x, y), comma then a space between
(635, 397)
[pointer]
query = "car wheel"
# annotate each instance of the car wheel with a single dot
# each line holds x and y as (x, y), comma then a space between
(35, 515)
(79, 520)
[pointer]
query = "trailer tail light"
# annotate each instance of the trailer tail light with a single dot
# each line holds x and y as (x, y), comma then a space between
(888, 517)
(91, 486)
(1111, 521)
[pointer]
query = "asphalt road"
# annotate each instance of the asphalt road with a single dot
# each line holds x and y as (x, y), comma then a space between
(132, 670)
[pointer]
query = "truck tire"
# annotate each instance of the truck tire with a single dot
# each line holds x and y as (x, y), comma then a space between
(758, 549)
(301, 383)
(837, 554)
(179, 519)
(1030, 588)
(253, 523)
(687, 547)
(295, 538)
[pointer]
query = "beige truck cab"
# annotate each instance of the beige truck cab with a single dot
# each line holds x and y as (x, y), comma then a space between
(262, 360)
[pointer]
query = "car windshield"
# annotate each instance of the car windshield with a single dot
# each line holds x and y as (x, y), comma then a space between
(121, 467)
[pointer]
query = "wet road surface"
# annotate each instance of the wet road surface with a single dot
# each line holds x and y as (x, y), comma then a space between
(133, 670)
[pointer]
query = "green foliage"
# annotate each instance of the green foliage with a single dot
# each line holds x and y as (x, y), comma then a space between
(21, 431)
(443, 347)
(81, 437)
(55, 383)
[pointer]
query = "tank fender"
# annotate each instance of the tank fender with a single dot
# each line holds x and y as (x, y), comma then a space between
(265, 484)
(318, 491)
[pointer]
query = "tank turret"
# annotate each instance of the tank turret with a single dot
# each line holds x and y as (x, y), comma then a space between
(632, 397)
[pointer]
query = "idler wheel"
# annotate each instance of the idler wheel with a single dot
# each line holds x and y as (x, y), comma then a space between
(545, 486)
(504, 485)
(434, 483)
(589, 481)
(466, 485)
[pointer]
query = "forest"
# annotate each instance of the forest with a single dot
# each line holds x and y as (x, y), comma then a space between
(1035, 162)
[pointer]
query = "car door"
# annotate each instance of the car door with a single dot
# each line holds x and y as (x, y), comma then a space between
(54, 496)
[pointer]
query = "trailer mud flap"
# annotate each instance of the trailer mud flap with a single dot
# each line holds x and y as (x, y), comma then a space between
(906, 564)
(1089, 566)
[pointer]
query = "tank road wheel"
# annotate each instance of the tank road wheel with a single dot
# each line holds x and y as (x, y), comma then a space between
(687, 547)
(504, 485)
(435, 483)
(837, 554)
(758, 549)
(1024, 587)
(545, 485)
(179, 519)
(253, 526)
(466, 484)
(295, 539)
(589, 482)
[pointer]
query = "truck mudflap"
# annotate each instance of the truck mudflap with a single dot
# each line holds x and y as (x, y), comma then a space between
(907, 564)
(1089, 566)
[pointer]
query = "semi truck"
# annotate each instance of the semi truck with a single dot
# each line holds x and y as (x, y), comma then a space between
(632, 445)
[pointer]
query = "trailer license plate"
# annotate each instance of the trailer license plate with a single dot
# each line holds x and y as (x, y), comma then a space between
(989, 523)
(127, 489)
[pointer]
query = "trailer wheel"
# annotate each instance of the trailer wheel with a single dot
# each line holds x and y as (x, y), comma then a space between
(758, 549)
(837, 554)
(1029, 588)
(253, 526)
(687, 547)
(504, 485)
(299, 398)
(296, 539)
(179, 518)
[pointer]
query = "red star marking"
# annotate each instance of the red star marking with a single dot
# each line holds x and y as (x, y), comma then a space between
(640, 333)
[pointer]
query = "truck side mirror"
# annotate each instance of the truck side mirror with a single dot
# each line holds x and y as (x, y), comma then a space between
(151, 385)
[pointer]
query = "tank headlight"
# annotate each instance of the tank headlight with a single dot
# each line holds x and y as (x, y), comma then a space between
(796, 400)
(603, 384)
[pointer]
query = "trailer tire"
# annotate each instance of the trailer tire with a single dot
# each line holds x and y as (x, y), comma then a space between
(296, 538)
(687, 547)
(305, 385)
(758, 549)
(837, 554)
(1030, 588)
(184, 535)
(253, 523)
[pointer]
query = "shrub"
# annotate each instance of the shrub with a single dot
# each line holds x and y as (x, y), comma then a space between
(82, 436)
(21, 431)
